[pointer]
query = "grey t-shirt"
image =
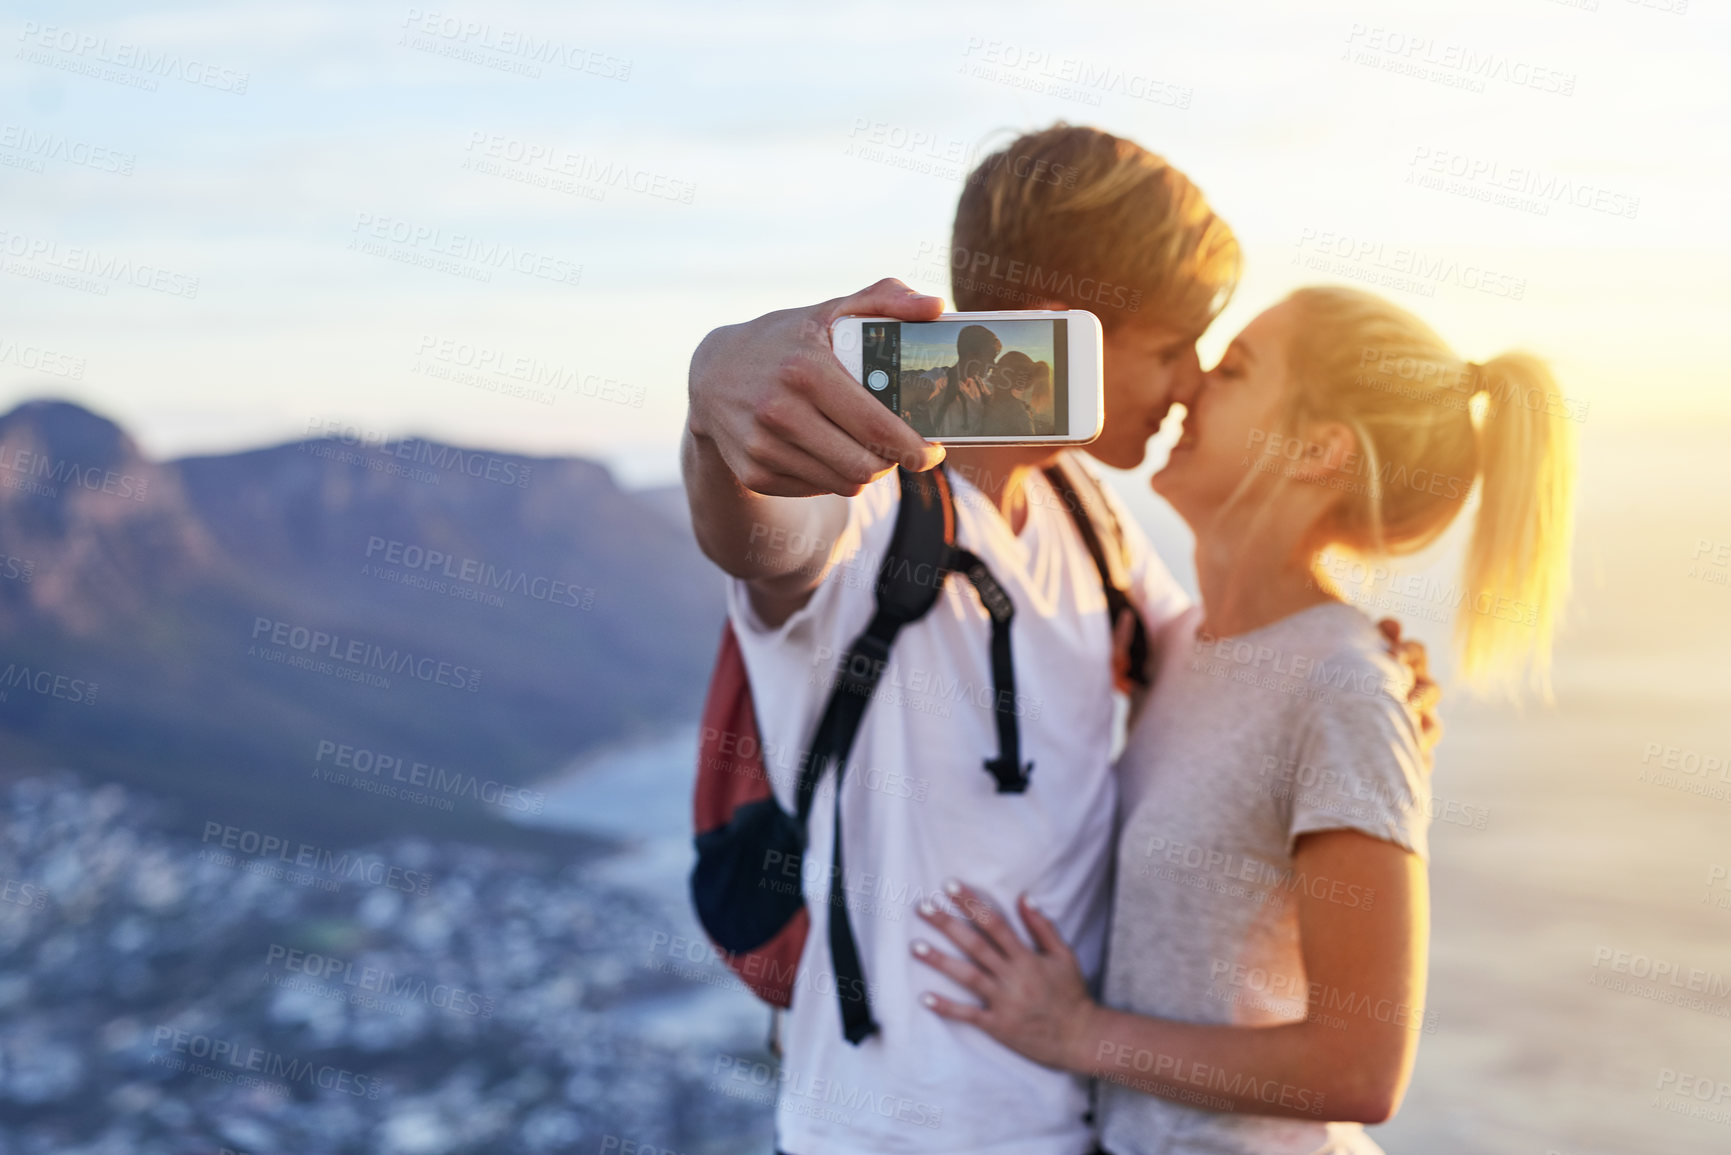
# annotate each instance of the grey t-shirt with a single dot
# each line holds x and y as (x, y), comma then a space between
(1244, 744)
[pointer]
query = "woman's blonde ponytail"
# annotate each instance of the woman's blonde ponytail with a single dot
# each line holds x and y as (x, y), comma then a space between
(1431, 430)
(1517, 565)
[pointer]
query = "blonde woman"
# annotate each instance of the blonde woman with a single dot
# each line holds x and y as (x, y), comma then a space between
(1265, 977)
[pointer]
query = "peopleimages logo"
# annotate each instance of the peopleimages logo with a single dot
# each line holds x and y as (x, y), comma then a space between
(553, 162)
(697, 960)
(41, 360)
(44, 146)
(1609, 962)
(1298, 993)
(992, 274)
(363, 655)
(469, 463)
(433, 246)
(1298, 668)
(259, 845)
(1341, 469)
(379, 765)
(531, 371)
(926, 690)
(1398, 266)
(524, 52)
(1517, 186)
(83, 52)
(47, 683)
(806, 1094)
(227, 1057)
(32, 470)
(470, 571)
(1689, 770)
(1201, 1076)
(1270, 883)
(1453, 65)
(1067, 76)
(82, 260)
(24, 894)
(366, 980)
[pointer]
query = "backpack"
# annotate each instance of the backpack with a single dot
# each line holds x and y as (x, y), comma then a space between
(746, 884)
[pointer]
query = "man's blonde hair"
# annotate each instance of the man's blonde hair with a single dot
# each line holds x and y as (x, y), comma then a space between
(1096, 221)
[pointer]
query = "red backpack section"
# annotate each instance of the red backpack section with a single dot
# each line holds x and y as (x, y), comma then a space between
(731, 779)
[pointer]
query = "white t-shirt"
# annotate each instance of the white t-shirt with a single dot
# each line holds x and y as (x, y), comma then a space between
(1245, 744)
(919, 807)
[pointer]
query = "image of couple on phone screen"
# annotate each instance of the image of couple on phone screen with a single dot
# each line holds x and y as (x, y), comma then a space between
(979, 380)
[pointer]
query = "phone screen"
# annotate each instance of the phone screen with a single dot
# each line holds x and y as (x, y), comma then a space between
(952, 379)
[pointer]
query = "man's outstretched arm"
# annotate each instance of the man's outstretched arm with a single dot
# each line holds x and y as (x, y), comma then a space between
(778, 435)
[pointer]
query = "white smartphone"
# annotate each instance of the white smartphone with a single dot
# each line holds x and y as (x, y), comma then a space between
(1019, 377)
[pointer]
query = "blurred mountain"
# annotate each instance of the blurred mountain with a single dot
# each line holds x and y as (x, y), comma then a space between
(219, 628)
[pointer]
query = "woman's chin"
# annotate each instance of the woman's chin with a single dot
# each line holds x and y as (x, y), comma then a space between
(1170, 477)
(1173, 483)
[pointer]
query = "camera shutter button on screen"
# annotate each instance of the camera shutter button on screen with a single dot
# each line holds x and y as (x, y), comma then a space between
(877, 380)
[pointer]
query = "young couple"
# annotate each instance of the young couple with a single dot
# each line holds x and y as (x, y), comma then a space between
(1216, 943)
(982, 394)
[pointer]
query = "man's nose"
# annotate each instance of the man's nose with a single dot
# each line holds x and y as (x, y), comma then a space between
(1187, 380)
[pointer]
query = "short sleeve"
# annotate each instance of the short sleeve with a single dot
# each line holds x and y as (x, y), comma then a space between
(1358, 765)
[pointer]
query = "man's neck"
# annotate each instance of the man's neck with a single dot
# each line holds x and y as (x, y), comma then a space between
(1000, 472)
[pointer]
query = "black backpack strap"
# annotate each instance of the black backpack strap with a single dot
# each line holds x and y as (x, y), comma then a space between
(909, 580)
(921, 555)
(1111, 562)
(1006, 768)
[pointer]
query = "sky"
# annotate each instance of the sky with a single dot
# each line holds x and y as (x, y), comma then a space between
(925, 347)
(509, 224)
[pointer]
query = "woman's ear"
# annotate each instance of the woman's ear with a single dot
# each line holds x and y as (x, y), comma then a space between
(1330, 451)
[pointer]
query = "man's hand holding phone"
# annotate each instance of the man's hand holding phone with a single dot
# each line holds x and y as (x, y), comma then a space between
(783, 413)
